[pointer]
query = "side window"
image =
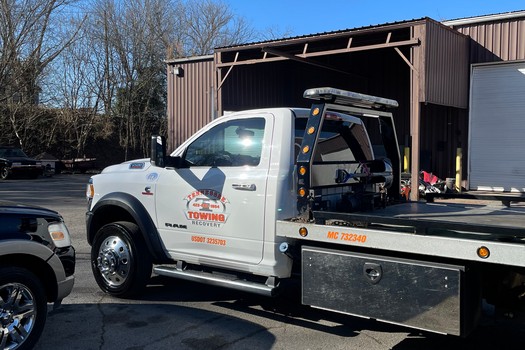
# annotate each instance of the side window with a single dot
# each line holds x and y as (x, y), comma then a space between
(233, 143)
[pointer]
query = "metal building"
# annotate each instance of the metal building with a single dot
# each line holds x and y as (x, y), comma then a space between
(497, 101)
(422, 63)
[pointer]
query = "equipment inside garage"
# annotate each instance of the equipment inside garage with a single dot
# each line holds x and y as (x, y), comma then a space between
(497, 127)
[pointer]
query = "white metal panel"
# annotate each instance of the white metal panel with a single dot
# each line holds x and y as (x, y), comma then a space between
(497, 127)
(462, 247)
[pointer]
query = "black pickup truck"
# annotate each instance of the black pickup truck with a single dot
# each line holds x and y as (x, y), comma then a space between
(37, 266)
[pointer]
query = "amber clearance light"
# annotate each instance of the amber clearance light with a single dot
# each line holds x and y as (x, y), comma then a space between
(302, 171)
(303, 231)
(302, 192)
(315, 111)
(483, 252)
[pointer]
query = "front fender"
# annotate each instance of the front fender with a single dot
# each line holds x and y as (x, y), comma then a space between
(120, 206)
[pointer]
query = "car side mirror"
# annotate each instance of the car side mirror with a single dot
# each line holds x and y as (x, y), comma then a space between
(158, 151)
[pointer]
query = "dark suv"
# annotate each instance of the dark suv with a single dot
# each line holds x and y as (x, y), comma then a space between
(37, 266)
(13, 161)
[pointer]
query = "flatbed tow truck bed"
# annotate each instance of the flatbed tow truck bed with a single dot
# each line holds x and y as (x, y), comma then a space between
(447, 230)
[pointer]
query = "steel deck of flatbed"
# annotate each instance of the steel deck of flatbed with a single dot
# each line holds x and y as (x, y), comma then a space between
(422, 217)
(441, 230)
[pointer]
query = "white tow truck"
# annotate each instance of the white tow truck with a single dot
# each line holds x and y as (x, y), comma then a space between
(260, 197)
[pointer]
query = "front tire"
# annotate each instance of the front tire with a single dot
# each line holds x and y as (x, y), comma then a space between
(4, 173)
(120, 261)
(23, 308)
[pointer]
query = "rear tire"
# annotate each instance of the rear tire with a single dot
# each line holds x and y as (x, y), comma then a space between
(23, 308)
(120, 260)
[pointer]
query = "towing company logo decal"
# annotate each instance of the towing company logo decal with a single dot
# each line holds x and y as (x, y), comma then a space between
(206, 208)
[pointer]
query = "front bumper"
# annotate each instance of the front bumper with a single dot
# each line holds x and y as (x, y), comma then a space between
(26, 170)
(67, 257)
(64, 288)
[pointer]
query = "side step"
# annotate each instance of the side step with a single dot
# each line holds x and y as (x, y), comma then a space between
(228, 281)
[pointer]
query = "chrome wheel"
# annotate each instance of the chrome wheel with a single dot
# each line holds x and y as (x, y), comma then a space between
(113, 261)
(4, 173)
(18, 313)
(120, 259)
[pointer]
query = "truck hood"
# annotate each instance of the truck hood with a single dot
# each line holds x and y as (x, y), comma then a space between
(135, 165)
(13, 208)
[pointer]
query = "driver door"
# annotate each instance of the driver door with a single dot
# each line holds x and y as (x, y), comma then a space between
(214, 208)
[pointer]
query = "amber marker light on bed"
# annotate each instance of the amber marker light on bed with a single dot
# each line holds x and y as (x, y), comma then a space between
(483, 252)
(303, 232)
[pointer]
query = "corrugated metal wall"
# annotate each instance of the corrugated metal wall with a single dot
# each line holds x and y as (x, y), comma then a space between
(496, 41)
(446, 66)
(190, 98)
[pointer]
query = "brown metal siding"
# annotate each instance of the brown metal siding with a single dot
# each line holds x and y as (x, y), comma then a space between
(189, 99)
(496, 41)
(443, 131)
(446, 76)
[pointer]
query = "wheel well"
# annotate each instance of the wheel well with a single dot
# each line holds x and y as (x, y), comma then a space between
(39, 267)
(124, 207)
(106, 215)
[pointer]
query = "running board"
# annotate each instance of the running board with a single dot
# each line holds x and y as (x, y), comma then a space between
(265, 289)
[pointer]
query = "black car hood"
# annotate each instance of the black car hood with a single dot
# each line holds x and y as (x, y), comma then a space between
(23, 160)
(12, 208)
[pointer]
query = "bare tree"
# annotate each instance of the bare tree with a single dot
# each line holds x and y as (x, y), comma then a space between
(211, 24)
(71, 70)
(76, 94)
(31, 37)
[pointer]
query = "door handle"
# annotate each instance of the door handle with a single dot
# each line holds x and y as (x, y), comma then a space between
(244, 187)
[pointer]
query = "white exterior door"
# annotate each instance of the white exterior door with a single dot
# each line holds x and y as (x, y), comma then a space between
(497, 127)
(214, 209)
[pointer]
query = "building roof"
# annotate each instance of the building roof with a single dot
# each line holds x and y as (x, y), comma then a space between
(189, 59)
(323, 34)
(485, 18)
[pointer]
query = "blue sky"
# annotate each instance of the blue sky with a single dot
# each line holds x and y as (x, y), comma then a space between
(295, 17)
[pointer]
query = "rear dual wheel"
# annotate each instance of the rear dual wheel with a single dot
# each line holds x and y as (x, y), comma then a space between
(120, 260)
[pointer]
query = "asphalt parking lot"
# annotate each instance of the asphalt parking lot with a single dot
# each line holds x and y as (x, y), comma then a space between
(174, 314)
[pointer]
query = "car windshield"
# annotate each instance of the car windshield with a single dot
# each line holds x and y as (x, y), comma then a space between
(11, 152)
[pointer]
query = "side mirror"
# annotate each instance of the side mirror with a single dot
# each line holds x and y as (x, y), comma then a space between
(158, 151)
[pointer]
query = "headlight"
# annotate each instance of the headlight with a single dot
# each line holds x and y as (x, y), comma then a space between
(90, 190)
(60, 235)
